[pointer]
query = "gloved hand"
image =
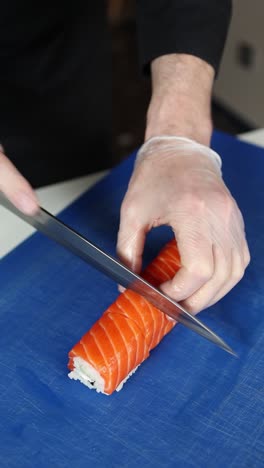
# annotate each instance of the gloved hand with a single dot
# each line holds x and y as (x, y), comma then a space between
(178, 182)
(15, 187)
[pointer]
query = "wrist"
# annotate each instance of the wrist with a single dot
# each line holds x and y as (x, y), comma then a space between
(170, 146)
(181, 98)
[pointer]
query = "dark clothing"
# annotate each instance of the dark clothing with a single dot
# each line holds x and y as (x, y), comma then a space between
(55, 88)
(196, 27)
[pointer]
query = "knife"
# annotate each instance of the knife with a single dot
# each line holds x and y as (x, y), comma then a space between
(52, 227)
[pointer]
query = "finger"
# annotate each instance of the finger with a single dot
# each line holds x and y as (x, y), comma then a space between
(16, 188)
(237, 273)
(239, 238)
(197, 266)
(130, 241)
(240, 256)
(246, 253)
(221, 277)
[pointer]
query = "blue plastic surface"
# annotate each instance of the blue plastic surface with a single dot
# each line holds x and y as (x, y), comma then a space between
(189, 405)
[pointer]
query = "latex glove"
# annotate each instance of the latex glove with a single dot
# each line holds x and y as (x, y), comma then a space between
(16, 187)
(178, 182)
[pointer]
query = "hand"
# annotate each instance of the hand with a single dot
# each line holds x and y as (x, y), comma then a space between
(15, 187)
(178, 182)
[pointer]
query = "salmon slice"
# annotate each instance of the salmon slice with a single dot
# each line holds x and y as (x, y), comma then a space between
(128, 330)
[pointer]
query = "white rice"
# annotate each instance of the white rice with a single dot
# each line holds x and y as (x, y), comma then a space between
(86, 374)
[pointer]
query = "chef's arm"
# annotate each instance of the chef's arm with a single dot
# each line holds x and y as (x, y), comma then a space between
(181, 43)
(181, 98)
(16, 187)
(177, 179)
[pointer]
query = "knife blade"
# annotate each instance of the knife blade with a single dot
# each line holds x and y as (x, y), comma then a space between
(64, 235)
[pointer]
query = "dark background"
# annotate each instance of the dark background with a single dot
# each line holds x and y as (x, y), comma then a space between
(73, 99)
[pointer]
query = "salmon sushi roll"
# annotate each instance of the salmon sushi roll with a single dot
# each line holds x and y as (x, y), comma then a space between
(111, 351)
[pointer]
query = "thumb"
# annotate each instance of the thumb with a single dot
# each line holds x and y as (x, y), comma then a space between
(15, 187)
(130, 244)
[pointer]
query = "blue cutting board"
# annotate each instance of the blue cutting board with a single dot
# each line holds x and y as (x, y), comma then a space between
(189, 405)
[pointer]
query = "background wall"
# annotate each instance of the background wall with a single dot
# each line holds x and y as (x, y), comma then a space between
(240, 87)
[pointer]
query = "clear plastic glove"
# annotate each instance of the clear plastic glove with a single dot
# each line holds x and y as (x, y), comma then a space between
(15, 186)
(178, 182)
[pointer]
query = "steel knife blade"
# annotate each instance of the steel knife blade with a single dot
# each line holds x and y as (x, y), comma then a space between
(64, 235)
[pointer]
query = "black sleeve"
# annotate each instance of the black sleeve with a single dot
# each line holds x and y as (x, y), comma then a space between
(196, 27)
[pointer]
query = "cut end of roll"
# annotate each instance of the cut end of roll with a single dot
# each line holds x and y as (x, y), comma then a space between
(90, 377)
(87, 375)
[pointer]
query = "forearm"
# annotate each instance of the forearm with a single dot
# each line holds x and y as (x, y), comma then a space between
(181, 98)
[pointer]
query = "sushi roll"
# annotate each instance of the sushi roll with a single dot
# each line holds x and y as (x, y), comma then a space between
(111, 351)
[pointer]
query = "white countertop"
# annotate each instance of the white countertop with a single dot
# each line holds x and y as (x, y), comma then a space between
(56, 197)
(53, 198)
